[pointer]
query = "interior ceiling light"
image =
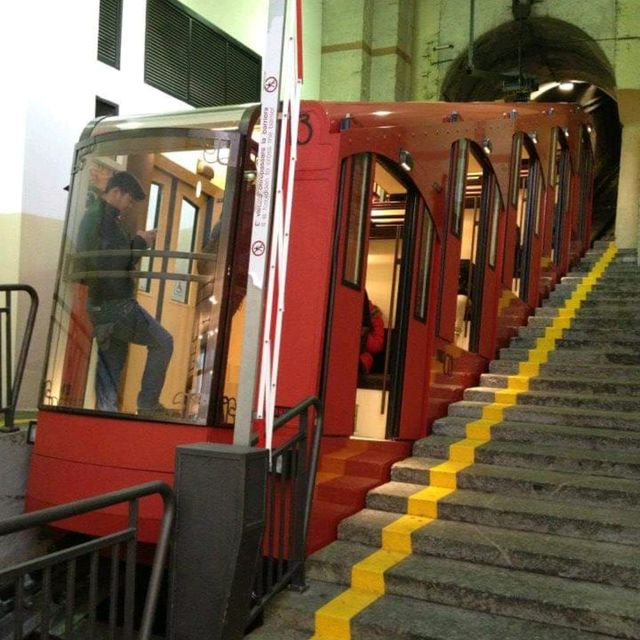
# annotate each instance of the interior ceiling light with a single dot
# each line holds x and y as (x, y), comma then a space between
(566, 86)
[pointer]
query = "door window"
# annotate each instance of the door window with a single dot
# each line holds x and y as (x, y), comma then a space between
(357, 202)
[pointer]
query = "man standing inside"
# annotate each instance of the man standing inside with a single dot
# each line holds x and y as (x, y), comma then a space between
(111, 254)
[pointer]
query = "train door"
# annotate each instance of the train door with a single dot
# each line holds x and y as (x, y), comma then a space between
(527, 188)
(468, 279)
(560, 181)
(581, 228)
(372, 282)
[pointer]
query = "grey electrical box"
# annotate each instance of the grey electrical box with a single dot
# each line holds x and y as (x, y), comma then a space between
(220, 495)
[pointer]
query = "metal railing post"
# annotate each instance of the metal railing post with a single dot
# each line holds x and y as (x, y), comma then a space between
(10, 386)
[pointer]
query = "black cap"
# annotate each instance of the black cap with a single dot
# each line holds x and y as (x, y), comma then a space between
(126, 182)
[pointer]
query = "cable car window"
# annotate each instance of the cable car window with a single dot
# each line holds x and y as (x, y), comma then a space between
(554, 158)
(424, 271)
(539, 198)
(358, 200)
(153, 209)
(185, 243)
(137, 325)
(495, 219)
(459, 161)
(515, 169)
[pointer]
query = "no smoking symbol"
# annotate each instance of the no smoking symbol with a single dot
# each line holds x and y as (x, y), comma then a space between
(258, 248)
(271, 84)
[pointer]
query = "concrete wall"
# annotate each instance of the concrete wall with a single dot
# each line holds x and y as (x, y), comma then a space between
(54, 78)
(369, 47)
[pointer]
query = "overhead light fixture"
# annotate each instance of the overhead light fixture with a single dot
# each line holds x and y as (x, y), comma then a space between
(534, 137)
(487, 146)
(565, 130)
(406, 161)
(567, 85)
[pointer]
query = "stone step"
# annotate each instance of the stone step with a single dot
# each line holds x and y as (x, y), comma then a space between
(594, 335)
(554, 415)
(558, 398)
(525, 482)
(619, 266)
(392, 617)
(603, 562)
(525, 595)
(587, 324)
(570, 370)
(572, 437)
(508, 512)
(613, 464)
(618, 313)
(576, 385)
(293, 612)
(630, 345)
(604, 356)
(603, 303)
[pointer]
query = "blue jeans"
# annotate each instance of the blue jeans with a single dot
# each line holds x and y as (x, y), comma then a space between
(117, 323)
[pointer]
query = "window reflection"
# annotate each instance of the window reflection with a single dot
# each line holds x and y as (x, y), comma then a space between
(153, 275)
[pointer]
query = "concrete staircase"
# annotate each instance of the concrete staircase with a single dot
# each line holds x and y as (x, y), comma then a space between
(532, 532)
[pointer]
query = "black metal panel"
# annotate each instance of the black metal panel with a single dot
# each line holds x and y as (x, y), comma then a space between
(109, 31)
(208, 67)
(166, 56)
(243, 76)
(220, 492)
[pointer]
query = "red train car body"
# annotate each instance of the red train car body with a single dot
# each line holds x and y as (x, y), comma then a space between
(455, 219)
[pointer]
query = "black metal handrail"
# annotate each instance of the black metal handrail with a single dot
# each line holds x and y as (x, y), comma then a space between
(10, 380)
(290, 486)
(92, 549)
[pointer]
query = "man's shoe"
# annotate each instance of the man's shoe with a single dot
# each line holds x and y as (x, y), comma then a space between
(159, 411)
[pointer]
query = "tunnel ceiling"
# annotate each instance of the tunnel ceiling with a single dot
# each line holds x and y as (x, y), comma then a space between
(552, 51)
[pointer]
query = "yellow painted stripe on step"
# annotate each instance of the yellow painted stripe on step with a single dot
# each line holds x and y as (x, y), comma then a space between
(563, 312)
(572, 304)
(492, 411)
(479, 429)
(545, 344)
(397, 535)
(561, 322)
(529, 369)
(368, 574)
(464, 450)
(520, 383)
(445, 474)
(538, 355)
(553, 332)
(425, 502)
(506, 397)
(333, 620)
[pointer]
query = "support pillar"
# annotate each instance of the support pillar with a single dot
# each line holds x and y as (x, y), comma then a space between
(627, 214)
(220, 494)
(346, 49)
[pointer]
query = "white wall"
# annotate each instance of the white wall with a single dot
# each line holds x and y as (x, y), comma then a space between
(57, 66)
(51, 76)
(246, 21)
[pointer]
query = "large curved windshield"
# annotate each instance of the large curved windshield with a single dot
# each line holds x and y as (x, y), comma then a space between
(144, 284)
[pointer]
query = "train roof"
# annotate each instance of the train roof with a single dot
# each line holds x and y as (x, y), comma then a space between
(362, 114)
(369, 114)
